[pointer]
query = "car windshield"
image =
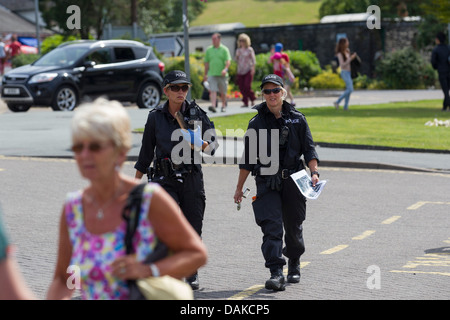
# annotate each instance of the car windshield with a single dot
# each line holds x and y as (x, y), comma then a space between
(64, 56)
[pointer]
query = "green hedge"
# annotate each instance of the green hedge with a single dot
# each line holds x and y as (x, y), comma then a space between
(406, 69)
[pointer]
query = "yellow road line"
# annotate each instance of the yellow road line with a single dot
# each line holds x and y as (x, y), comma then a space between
(416, 205)
(419, 204)
(391, 220)
(253, 289)
(247, 292)
(335, 249)
(424, 272)
(364, 235)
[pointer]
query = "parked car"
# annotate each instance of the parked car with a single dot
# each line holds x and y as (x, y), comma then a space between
(117, 69)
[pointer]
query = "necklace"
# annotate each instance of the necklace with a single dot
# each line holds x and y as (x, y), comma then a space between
(100, 212)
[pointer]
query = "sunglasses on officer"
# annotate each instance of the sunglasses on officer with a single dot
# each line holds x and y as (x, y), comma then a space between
(92, 147)
(183, 88)
(269, 91)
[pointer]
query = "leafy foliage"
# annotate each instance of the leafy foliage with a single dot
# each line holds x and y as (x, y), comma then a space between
(405, 69)
(327, 80)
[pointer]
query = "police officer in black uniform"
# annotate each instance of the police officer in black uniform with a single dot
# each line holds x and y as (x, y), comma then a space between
(278, 201)
(176, 153)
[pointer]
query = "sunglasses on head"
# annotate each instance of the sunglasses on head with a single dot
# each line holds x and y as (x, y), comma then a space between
(269, 91)
(92, 147)
(177, 88)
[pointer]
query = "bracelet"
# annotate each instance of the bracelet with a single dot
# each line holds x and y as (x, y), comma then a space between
(154, 269)
(315, 172)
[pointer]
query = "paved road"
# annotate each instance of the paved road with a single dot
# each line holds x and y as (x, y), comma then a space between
(391, 223)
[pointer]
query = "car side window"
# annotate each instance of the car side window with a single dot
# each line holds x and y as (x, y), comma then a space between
(100, 56)
(140, 52)
(124, 54)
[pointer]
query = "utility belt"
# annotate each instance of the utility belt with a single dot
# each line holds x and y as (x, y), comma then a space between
(166, 168)
(284, 173)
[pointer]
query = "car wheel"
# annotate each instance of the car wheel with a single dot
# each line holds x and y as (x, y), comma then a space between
(18, 107)
(65, 99)
(149, 96)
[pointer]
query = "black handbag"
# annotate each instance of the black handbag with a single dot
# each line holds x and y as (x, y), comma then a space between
(159, 288)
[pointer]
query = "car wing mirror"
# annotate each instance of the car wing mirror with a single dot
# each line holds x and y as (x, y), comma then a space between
(89, 64)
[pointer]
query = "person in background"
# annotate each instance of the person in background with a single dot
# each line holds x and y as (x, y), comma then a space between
(279, 204)
(246, 61)
(217, 62)
(345, 58)
(92, 228)
(281, 67)
(14, 48)
(12, 282)
(440, 61)
(2, 57)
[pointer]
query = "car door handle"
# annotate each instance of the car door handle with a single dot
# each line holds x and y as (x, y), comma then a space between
(138, 69)
(109, 73)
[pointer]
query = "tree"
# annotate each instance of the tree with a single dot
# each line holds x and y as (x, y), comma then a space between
(156, 16)
(438, 8)
(332, 7)
(389, 8)
(152, 15)
(94, 15)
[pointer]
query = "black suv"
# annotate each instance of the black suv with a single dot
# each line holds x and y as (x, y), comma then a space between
(117, 69)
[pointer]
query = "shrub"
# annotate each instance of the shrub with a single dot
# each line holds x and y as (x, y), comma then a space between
(405, 69)
(327, 80)
(52, 42)
(24, 59)
(304, 65)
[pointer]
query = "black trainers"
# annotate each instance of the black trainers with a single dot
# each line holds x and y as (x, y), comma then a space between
(276, 281)
(193, 281)
(212, 109)
(293, 271)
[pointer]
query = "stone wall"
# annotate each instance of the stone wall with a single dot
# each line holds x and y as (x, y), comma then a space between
(321, 39)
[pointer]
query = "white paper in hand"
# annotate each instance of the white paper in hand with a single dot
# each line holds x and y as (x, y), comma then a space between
(304, 184)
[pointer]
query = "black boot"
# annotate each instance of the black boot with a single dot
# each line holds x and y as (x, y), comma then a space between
(293, 271)
(276, 281)
(193, 281)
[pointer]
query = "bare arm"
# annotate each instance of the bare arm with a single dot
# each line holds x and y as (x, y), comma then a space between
(172, 228)
(312, 165)
(12, 283)
(243, 174)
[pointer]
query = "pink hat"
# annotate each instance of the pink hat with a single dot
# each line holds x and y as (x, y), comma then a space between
(277, 56)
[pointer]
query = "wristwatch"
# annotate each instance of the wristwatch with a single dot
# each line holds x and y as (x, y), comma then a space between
(315, 172)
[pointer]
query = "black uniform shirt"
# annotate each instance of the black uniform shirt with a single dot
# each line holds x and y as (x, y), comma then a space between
(156, 140)
(439, 58)
(300, 141)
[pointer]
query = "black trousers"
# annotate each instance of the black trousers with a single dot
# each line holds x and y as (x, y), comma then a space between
(444, 80)
(275, 210)
(190, 196)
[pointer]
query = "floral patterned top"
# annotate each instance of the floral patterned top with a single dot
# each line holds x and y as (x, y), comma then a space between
(94, 253)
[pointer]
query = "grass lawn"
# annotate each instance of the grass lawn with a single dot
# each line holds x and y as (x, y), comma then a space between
(253, 13)
(400, 125)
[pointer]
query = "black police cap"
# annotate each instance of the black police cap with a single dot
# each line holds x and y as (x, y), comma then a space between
(175, 77)
(273, 78)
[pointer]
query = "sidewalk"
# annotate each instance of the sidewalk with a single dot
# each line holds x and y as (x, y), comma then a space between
(44, 133)
(340, 156)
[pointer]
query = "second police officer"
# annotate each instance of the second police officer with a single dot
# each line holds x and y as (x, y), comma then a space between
(177, 168)
(278, 201)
